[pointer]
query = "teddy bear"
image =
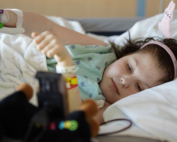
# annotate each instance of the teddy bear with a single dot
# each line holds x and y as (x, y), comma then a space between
(21, 120)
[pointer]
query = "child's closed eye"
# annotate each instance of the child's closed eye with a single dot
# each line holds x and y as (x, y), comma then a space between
(129, 67)
(139, 88)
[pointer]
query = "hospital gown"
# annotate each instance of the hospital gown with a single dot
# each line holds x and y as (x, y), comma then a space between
(91, 62)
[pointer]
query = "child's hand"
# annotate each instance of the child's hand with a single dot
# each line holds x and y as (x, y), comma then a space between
(48, 44)
(165, 25)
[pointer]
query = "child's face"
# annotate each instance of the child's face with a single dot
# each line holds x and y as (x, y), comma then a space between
(129, 75)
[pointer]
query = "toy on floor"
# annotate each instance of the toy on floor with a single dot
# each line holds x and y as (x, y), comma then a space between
(21, 120)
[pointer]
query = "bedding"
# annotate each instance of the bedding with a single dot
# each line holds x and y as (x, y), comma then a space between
(19, 60)
(17, 63)
(152, 111)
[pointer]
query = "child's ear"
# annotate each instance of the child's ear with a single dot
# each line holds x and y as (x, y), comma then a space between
(34, 34)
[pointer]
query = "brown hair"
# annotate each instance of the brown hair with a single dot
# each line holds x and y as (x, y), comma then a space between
(162, 58)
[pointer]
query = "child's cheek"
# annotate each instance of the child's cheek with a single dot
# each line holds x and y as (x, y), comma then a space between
(121, 70)
(132, 91)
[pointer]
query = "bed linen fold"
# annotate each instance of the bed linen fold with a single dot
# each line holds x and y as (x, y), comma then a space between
(19, 61)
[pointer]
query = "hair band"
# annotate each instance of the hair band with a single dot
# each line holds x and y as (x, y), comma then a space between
(168, 51)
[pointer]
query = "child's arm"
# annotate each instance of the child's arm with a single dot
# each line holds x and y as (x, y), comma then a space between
(39, 23)
(48, 44)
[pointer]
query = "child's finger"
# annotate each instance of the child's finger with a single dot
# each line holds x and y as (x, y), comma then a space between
(56, 50)
(40, 37)
(52, 51)
(47, 48)
(34, 34)
(45, 44)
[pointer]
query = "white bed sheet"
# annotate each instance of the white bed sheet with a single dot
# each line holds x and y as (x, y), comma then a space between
(19, 61)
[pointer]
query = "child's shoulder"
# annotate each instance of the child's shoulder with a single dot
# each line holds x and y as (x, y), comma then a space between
(82, 49)
(73, 46)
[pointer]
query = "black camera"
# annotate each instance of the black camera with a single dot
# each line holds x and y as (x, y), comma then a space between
(52, 90)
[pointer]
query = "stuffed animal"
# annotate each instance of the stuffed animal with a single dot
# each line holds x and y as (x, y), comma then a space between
(19, 119)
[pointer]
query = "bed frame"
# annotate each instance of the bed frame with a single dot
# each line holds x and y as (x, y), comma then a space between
(107, 26)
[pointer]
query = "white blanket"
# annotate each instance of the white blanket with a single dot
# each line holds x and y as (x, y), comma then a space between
(20, 60)
(153, 111)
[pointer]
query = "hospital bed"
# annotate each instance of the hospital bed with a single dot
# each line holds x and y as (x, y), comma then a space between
(107, 26)
(153, 111)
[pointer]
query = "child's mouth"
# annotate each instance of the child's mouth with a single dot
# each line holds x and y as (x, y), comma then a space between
(115, 87)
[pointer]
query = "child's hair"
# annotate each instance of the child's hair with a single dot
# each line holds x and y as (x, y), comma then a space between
(162, 58)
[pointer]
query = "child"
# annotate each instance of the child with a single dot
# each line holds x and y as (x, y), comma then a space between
(134, 71)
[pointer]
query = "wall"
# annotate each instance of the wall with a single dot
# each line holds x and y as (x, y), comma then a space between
(152, 6)
(85, 8)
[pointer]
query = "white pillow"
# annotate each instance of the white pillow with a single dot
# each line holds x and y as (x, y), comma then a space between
(147, 28)
(153, 111)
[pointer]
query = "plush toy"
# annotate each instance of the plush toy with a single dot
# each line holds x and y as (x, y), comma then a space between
(19, 119)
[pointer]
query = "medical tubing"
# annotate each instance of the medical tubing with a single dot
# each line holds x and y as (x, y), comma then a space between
(118, 131)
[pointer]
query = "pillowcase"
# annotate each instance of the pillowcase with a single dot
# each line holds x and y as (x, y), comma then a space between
(147, 28)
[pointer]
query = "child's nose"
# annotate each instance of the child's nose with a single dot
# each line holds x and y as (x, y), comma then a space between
(126, 81)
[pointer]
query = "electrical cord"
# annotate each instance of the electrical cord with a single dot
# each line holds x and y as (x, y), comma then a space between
(118, 131)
